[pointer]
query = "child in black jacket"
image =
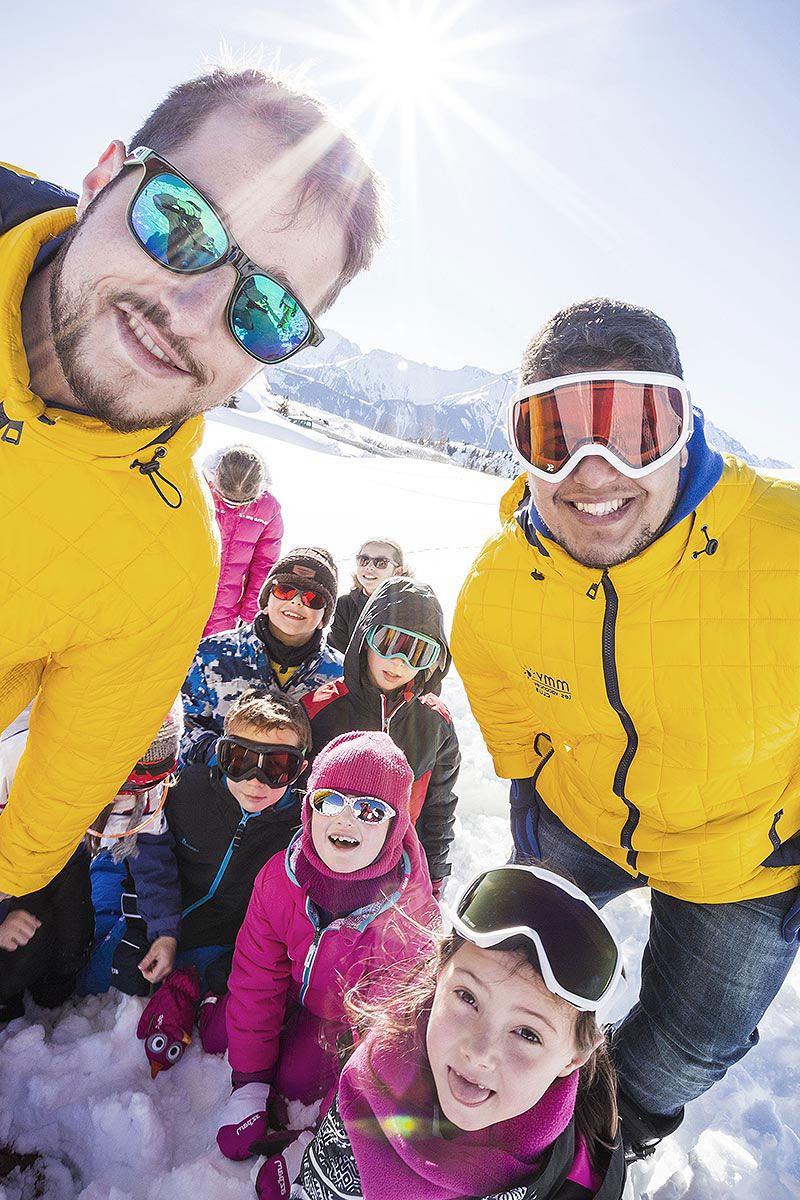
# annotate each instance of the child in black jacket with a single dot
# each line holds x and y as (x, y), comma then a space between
(393, 670)
(223, 823)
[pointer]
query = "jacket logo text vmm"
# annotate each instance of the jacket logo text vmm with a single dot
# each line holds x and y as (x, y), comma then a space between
(547, 685)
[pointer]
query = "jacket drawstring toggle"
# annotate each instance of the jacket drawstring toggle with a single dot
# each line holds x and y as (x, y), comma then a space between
(12, 430)
(711, 546)
(152, 471)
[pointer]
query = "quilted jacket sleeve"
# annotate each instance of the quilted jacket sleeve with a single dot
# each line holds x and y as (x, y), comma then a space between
(259, 980)
(266, 553)
(503, 721)
(98, 708)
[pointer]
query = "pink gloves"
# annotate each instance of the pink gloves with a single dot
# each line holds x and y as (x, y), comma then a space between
(244, 1120)
(274, 1176)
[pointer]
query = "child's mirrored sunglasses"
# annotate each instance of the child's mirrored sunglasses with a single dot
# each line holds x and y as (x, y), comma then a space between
(416, 650)
(578, 955)
(174, 223)
(381, 563)
(368, 809)
(309, 597)
(273, 765)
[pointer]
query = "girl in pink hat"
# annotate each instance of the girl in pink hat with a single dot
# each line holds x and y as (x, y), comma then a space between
(350, 896)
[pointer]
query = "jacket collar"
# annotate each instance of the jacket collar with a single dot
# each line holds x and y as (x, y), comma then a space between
(74, 433)
(681, 547)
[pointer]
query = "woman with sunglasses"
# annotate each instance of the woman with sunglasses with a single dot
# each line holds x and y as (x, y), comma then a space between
(284, 650)
(393, 671)
(486, 1071)
(251, 528)
(378, 559)
(350, 896)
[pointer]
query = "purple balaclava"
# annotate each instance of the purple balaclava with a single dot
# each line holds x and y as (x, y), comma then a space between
(363, 763)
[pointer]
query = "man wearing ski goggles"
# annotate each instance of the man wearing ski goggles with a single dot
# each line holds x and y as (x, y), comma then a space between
(624, 643)
(603, 452)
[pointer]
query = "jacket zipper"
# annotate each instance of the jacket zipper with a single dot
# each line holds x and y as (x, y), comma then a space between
(773, 830)
(310, 956)
(223, 866)
(611, 678)
(386, 721)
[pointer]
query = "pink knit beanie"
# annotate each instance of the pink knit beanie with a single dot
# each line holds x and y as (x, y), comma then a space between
(363, 763)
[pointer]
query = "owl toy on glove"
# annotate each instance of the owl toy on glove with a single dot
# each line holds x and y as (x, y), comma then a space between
(166, 1023)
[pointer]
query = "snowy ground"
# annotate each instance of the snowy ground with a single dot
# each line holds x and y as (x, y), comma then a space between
(74, 1085)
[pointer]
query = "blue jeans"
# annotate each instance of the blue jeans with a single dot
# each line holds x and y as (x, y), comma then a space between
(709, 973)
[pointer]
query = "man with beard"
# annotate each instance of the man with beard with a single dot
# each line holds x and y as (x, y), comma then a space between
(111, 346)
(630, 646)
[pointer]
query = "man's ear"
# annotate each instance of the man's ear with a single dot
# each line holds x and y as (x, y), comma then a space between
(108, 166)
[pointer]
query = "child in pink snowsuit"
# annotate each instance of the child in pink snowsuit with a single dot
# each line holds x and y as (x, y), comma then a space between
(251, 529)
(350, 896)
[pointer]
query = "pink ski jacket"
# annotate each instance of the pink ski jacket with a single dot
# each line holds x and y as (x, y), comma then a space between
(283, 957)
(251, 543)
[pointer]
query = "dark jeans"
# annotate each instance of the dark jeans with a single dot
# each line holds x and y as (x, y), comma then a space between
(709, 973)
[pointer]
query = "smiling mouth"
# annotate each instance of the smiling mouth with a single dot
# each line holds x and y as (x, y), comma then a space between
(143, 348)
(466, 1091)
(292, 614)
(600, 508)
(341, 842)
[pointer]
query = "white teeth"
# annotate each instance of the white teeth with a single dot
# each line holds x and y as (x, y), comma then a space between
(337, 839)
(148, 343)
(599, 510)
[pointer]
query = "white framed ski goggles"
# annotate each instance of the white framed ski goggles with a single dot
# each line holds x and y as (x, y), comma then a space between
(579, 957)
(416, 650)
(367, 809)
(636, 420)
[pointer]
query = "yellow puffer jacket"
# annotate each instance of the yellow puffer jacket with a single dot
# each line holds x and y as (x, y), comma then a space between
(104, 592)
(657, 703)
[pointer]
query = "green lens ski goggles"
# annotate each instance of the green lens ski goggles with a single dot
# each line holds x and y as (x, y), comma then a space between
(415, 649)
(174, 223)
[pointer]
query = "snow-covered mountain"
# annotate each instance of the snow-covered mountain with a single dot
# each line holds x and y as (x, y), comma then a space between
(406, 399)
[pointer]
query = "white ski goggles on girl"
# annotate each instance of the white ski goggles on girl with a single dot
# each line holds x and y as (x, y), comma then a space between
(368, 809)
(579, 957)
(636, 420)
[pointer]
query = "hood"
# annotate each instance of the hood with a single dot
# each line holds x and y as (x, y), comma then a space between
(29, 220)
(408, 604)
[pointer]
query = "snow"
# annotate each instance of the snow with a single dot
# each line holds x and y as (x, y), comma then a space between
(75, 1085)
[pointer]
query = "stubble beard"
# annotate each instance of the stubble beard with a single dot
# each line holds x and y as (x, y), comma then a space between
(69, 325)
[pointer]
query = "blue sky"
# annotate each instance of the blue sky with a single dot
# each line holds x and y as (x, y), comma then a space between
(641, 150)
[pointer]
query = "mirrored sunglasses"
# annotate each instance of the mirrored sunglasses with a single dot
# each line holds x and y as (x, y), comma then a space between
(177, 226)
(636, 420)
(368, 809)
(273, 765)
(415, 649)
(309, 597)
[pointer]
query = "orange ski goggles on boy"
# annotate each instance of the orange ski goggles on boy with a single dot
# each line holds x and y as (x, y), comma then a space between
(636, 420)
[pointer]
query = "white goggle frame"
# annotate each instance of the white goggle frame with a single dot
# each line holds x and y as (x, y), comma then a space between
(548, 385)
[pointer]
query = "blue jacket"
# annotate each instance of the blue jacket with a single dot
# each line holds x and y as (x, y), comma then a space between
(227, 663)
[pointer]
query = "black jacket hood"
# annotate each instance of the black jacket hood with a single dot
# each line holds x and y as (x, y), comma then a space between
(408, 604)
